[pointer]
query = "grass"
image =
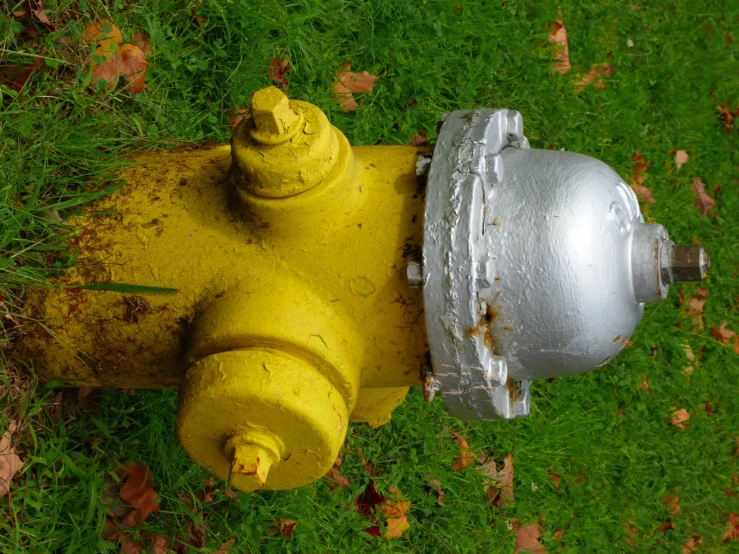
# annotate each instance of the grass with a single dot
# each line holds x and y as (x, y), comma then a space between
(62, 143)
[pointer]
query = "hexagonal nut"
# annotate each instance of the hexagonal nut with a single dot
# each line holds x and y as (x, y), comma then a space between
(271, 112)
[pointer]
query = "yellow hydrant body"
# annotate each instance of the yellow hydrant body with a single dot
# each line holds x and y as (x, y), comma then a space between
(292, 315)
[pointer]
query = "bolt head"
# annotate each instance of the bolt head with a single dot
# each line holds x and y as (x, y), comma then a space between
(414, 272)
(272, 114)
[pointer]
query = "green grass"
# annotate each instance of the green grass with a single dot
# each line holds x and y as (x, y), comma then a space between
(63, 143)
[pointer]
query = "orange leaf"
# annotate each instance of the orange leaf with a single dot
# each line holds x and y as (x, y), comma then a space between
(142, 43)
(348, 82)
(498, 483)
(10, 463)
(723, 334)
(102, 31)
(226, 546)
(644, 385)
(336, 479)
(672, 502)
(138, 492)
(594, 76)
(396, 512)
(703, 202)
(638, 178)
(681, 158)
(732, 532)
(287, 527)
(558, 37)
(679, 417)
(464, 459)
(527, 537)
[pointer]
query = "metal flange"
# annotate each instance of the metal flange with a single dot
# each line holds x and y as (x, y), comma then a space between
(458, 271)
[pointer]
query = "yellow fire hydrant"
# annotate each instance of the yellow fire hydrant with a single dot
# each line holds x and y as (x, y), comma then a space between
(313, 283)
(292, 315)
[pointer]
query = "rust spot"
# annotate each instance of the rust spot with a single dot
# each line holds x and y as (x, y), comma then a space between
(616, 339)
(605, 360)
(474, 331)
(514, 389)
(487, 338)
(496, 222)
(154, 223)
(497, 278)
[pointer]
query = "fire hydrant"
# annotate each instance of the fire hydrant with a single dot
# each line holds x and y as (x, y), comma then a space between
(315, 282)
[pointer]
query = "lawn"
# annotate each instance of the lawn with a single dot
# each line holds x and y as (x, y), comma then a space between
(598, 465)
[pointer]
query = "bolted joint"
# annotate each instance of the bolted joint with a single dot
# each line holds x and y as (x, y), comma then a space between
(685, 263)
(275, 121)
(251, 460)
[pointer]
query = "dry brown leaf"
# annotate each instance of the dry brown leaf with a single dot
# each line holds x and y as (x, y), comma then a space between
(732, 531)
(239, 115)
(559, 534)
(335, 479)
(672, 501)
(644, 385)
(465, 457)
(225, 547)
(138, 491)
(679, 417)
(10, 463)
(141, 42)
(688, 370)
(681, 158)
(723, 335)
(558, 37)
(287, 527)
(691, 545)
(694, 310)
(419, 139)
(498, 483)
(594, 76)
(554, 477)
(527, 537)
(435, 484)
(728, 116)
(348, 82)
(703, 202)
(396, 512)
(277, 70)
(638, 178)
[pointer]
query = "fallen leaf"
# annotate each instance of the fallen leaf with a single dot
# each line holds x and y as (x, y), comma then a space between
(688, 370)
(141, 42)
(129, 546)
(679, 417)
(644, 385)
(369, 498)
(239, 115)
(138, 492)
(465, 457)
(555, 477)
(396, 512)
(16, 78)
(691, 544)
(667, 525)
(335, 479)
(100, 32)
(709, 409)
(594, 76)
(736, 446)
(348, 82)
(158, 545)
(728, 116)
(10, 463)
(435, 484)
(35, 7)
(228, 493)
(638, 178)
(558, 37)
(681, 158)
(527, 537)
(419, 139)
(732, 531)
(132, 65)
(498, 483)
(225, 548)
(722, 334)
(287, 527)
(703, 202)
(559, 534)
(672, 501)
(277, 70)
